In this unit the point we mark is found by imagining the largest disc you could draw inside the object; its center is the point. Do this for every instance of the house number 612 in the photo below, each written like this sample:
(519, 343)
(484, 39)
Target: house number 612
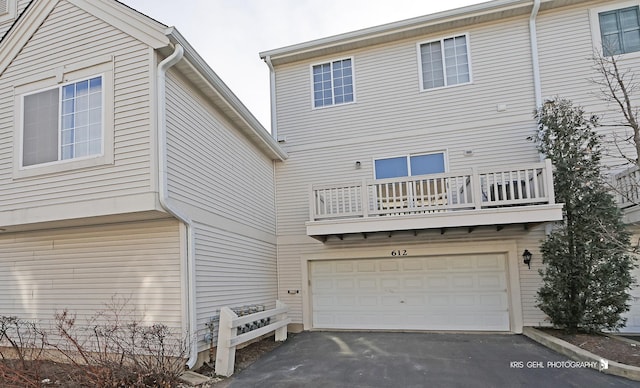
(399, 252)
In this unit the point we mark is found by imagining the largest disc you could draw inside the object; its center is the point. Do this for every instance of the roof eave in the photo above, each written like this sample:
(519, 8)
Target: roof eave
(456, 18)
(251, 126)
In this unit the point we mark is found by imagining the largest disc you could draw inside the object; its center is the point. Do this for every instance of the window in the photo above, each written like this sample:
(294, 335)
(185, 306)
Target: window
(444, 62)
(409, 165)
(332, 83)
(620, 30)
(63, 123)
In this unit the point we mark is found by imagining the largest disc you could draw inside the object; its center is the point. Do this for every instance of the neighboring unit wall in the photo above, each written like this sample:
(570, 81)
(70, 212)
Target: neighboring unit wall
(392, 117)
(10, 11)
(71, 37)
(226, 185)
(82, 269)
(567, 40)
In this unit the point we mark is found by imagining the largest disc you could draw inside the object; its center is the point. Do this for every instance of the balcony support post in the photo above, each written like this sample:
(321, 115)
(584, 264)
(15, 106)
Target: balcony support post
(364, 198)
(312, 203)
(548, 184)
(476, 190)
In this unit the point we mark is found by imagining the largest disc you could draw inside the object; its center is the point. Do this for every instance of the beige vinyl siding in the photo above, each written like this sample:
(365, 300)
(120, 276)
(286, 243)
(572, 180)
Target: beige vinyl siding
(212, 166)
(392, 117)
(67, 37)
(81, 269)
(7, 20)
(226, 185)
(232, 270)
(566, 44)
(388, 96)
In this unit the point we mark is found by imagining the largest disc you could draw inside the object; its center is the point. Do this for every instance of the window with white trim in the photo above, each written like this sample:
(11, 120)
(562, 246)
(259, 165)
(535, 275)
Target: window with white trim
(444, 62)
(333, 83)
(409, 165)
(64, 122)
(620, 30)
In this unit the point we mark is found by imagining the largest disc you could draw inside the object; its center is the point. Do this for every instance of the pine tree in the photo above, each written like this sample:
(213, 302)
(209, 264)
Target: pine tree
(587, 272)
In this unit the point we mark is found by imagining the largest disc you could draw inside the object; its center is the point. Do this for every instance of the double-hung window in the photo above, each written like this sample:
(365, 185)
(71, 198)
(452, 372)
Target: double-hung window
(333, 83)
(410, 165)
(63, 123)
(620, 30)
(444, 62)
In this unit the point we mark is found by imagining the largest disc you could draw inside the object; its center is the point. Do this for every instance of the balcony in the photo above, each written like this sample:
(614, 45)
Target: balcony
(477, 197)
(626, 187)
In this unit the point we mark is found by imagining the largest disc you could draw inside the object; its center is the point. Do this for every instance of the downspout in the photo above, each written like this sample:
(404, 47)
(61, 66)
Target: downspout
(272, 88)
(163, 195)
(534, 53)
(535, 62)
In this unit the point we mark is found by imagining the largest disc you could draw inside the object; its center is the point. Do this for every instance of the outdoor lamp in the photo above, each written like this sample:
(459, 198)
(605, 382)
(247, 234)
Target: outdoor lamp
(527, 257)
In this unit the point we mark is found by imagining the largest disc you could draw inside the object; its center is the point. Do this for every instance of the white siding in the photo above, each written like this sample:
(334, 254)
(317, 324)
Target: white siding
(80, 269)
(69, 36)
(226, 184)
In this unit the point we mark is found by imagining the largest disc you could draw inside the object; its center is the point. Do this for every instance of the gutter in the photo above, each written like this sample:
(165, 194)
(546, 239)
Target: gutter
(163, 194)
(272, 89)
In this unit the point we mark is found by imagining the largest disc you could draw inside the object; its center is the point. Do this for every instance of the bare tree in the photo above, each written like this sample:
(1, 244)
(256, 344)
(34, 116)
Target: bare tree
(617, 86)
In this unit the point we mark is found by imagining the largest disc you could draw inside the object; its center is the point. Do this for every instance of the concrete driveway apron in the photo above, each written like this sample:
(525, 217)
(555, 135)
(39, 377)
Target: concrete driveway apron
(380, 359)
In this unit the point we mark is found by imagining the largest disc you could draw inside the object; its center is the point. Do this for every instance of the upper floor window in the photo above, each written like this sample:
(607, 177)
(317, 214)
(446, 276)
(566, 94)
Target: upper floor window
(62, 123)
(444, 62)
(620, 30)
(410, 165)
(333, 83)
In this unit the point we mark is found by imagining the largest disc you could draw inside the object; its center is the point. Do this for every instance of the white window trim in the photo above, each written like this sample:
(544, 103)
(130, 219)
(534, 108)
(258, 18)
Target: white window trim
(444, 152)
(353, 76)
(596, 36)
(102, 66)
(441, 40)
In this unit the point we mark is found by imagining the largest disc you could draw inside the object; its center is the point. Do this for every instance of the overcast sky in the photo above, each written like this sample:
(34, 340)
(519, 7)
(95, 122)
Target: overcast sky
(229, 34)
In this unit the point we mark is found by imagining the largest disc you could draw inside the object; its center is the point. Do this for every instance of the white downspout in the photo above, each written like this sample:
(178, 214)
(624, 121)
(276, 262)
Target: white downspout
(272, 88)
(163, 195)
(534, 53)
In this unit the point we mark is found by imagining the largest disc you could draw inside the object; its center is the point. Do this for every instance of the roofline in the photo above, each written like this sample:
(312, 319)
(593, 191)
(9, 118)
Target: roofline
(199, 64)
(401, 28)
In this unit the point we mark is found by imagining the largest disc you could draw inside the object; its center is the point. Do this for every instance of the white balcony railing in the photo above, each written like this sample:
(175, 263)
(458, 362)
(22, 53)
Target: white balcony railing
(627, 187)
(475, 189)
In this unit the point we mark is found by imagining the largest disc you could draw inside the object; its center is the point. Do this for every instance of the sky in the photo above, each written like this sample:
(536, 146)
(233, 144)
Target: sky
(229, 34)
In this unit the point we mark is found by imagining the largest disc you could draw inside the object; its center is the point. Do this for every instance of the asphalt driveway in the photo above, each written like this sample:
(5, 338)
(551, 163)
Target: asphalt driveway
(372, 359)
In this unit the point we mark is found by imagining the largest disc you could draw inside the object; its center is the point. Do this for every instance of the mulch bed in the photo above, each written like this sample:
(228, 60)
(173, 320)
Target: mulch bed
(610, 348)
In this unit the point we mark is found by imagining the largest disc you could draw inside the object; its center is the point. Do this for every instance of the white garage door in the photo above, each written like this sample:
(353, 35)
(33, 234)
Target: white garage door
(633, 315)
(463, 292)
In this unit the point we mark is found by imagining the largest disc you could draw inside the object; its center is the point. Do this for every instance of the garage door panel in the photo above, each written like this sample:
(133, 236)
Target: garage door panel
(431, 293)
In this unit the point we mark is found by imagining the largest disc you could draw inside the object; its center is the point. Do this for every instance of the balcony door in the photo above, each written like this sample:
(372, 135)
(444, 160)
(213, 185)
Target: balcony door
(395, 193)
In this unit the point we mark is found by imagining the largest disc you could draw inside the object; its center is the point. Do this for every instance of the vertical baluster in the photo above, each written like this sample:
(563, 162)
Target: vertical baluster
(519, 187)
(536, 185)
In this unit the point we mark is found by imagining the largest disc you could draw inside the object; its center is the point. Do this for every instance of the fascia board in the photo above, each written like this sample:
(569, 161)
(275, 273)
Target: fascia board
(222, 90)
(127, 20)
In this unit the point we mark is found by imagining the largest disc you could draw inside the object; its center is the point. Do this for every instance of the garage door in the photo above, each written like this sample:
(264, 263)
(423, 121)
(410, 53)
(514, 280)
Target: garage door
(463, 292)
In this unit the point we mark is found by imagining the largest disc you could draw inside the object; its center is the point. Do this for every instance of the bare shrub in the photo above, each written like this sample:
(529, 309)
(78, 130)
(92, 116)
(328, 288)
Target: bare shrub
(112, 349)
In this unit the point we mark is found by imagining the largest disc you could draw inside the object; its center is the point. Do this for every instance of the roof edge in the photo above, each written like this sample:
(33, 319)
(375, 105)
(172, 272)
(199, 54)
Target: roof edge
(192, 56)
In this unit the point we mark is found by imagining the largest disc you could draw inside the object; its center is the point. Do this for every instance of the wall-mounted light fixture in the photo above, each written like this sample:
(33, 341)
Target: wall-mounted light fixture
(526, 257)
(358, 165)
